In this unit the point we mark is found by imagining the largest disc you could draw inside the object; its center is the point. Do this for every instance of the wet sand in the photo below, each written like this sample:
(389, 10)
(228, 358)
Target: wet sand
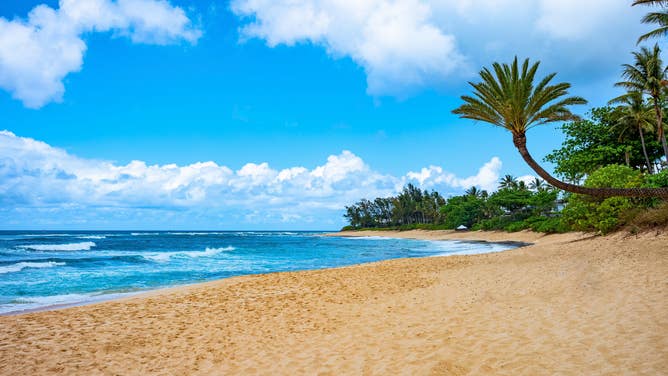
(568, 304)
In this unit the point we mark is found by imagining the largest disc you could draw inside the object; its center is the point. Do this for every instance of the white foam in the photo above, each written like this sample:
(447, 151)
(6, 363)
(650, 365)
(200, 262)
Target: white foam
(40, 302)
(195, 233)
(371, 237)
(461, 248)
(23, 265)
(166, 256)
(83, 246)
(50, 300)
(92, 237)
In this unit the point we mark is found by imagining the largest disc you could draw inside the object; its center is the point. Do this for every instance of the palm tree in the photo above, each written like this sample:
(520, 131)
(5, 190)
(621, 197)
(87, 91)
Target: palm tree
(537, 184)
(473, 191)
(509, 99)
(648, 75)
(636, 116)
(659, 18)
(508, 182)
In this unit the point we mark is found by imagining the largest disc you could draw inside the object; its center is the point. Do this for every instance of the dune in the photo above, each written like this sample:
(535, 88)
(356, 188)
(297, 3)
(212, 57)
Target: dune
(568, 304)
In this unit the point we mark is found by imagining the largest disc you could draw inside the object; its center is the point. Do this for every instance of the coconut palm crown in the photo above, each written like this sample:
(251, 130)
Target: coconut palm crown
(508, 97)
(648, 75)
(636, 117)
(658, 18)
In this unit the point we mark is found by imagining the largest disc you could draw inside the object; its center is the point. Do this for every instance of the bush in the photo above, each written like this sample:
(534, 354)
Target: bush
(586, 213)
(551, 226)
(517, 226)
(657, 180)
(614, 176)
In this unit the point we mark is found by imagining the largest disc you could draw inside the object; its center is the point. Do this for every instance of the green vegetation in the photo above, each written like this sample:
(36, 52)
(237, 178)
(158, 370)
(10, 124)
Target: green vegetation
(658, 18)
(610, 163)
(603, 139)
(410, 208)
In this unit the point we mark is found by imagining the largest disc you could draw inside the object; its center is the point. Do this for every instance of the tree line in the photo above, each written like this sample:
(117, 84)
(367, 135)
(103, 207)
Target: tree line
(411, 206)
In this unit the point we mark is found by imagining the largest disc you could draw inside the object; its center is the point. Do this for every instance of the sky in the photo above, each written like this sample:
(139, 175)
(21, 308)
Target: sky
(270, 114)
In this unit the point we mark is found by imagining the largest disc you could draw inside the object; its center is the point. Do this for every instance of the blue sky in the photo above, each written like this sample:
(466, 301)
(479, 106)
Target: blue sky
(363, 90)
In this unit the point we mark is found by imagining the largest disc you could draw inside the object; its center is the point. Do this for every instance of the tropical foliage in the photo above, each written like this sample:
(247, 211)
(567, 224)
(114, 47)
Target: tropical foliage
(659, 19)
(613, 163)
(410, 207)
(510, 99)
(602, 139)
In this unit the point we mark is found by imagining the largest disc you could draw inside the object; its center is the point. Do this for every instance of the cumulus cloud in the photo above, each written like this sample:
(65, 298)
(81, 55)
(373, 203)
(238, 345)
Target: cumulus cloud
(36, 175)
(37, 53)
(396, 42)
(405, 45)
(486, 178)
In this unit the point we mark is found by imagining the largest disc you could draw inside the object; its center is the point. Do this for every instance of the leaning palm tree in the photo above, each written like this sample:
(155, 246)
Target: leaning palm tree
(658, 18)
(651, 2)
(648, 75)
(635, 117)
(508, 98)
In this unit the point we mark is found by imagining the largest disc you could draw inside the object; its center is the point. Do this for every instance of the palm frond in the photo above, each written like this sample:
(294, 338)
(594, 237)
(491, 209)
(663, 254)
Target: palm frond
(508, 97)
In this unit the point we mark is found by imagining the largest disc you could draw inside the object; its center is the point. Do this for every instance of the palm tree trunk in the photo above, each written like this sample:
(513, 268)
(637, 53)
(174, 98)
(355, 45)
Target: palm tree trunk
(520, 142)
(659, 124)
(644, 149)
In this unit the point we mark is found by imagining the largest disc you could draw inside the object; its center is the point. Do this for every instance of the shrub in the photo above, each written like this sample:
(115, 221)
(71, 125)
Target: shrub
(657, 180)
(586, 213)
(517, 226)
(551, 226)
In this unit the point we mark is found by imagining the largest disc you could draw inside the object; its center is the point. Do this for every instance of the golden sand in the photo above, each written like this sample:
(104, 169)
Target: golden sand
(567, 305)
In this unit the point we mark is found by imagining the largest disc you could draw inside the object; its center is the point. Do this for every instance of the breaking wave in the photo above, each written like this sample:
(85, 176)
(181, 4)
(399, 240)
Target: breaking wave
(83, 246)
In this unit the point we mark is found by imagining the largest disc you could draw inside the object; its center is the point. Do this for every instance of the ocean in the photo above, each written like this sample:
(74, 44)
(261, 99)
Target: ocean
(40, 269)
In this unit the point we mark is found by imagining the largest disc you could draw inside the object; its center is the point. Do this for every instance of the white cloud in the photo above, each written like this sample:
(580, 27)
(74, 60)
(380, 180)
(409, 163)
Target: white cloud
(576, 19)
(36, 175)
(38, 52)
(486, 178)
(404, 45)
(396, 42)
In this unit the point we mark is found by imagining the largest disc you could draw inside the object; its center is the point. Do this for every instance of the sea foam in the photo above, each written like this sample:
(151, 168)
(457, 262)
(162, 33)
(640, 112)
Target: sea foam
(83, 246)
(166, 256)
(23, 265)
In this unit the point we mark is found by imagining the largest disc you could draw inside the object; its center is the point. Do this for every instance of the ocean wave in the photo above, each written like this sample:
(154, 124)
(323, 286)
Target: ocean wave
(166, 256)
(83, 246)
(92, 237)
(196, 233)
(144, 233)
(27, 303)
(461, 248)
(371, 237)
(23, 265)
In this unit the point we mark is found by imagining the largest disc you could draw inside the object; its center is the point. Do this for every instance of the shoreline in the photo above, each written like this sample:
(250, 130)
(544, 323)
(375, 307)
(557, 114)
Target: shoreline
(101, 297)
(568, 303)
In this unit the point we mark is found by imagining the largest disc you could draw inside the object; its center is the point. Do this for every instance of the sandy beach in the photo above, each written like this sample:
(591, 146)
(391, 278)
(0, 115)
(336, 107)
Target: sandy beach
(569, 304)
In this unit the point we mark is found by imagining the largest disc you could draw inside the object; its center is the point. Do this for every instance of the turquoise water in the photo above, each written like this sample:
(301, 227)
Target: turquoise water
(42, 269)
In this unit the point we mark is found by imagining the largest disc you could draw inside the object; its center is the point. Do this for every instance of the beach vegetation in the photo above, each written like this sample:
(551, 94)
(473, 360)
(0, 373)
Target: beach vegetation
(412, 206)
(508, 96)
(610, 165)
(647, 75)
(658, 18)
(600, 140)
